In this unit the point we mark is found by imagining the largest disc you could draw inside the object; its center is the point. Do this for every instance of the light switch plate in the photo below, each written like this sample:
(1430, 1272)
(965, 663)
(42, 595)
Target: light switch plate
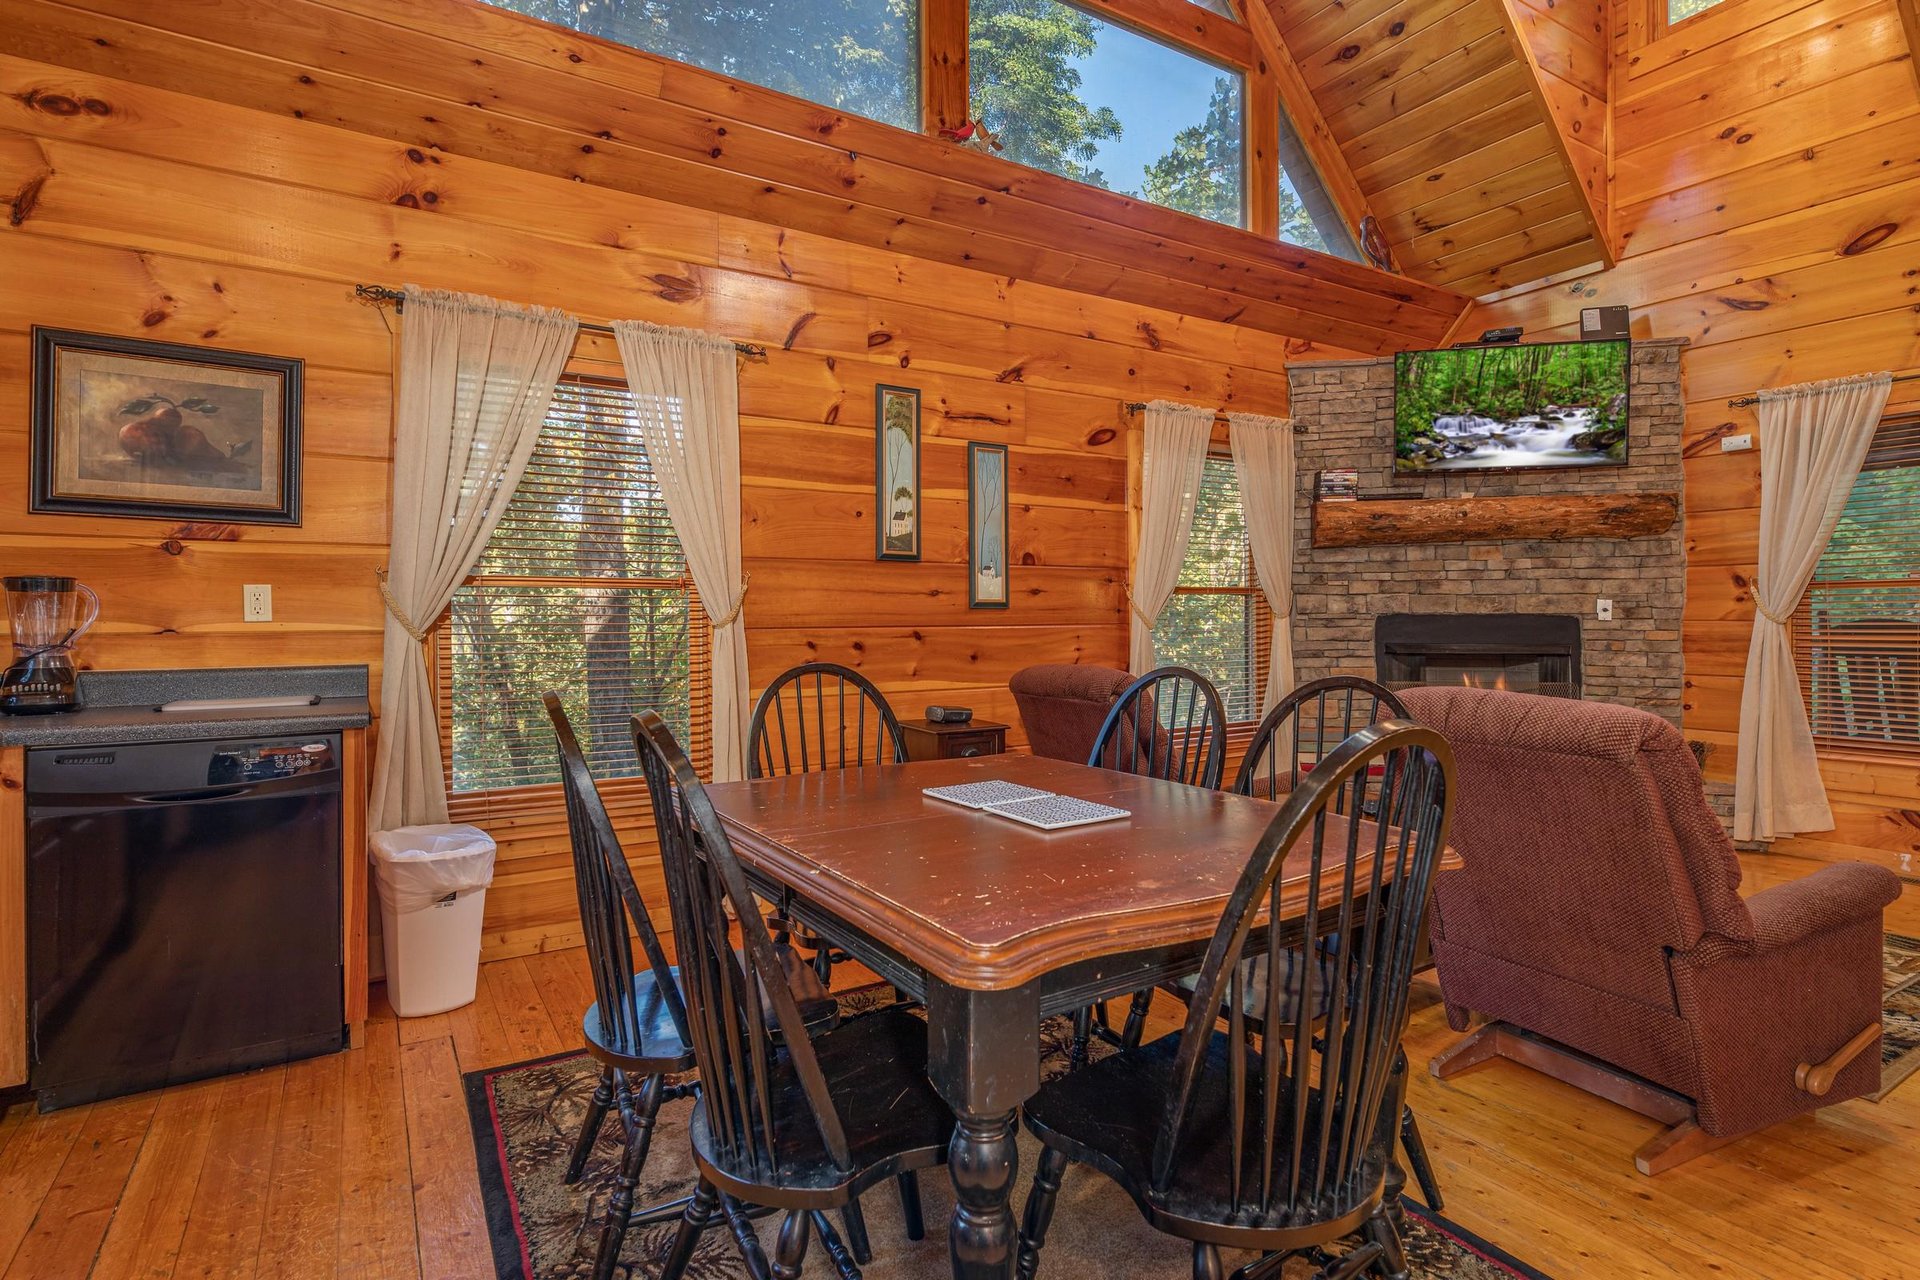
(1603, 609)
(256, 602)
(1736, 444)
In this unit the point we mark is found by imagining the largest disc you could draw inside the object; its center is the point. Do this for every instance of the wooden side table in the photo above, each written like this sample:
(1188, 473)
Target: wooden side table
(929, 741)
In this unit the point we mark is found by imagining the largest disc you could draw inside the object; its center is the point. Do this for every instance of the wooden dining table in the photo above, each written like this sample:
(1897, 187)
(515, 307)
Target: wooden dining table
(997, 926)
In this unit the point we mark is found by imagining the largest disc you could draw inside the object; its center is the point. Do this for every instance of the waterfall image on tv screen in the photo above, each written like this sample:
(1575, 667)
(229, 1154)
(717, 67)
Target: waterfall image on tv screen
(1560, 404)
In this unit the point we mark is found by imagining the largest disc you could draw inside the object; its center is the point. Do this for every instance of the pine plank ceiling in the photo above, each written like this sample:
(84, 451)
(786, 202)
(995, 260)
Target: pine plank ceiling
(1476, 129)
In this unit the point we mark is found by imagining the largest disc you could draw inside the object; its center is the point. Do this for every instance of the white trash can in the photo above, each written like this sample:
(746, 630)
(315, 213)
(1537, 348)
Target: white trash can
(432, 882)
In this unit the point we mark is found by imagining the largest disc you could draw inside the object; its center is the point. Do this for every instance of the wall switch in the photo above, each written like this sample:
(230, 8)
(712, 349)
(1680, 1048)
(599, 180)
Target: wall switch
(256, 602)
(1736, 444)
(1603, 609)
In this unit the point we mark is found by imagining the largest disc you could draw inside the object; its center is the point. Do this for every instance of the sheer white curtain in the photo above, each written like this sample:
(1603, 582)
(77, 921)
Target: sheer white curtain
(476, 377)
(1263, 463)
(1813, 438)
(686, 390)
(1172, 462)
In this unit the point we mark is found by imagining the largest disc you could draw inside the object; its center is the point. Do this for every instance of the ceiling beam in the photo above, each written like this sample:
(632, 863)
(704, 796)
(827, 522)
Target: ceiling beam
(1910, 23)
(1184, 24)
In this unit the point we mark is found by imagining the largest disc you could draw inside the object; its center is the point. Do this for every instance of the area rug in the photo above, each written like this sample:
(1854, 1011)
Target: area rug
(1899, 1013)
(524, 1118)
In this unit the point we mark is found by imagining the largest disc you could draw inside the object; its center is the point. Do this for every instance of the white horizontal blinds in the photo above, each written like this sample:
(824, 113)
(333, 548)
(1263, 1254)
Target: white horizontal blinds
(583, 589)
(1856, 634)
(1218, 622)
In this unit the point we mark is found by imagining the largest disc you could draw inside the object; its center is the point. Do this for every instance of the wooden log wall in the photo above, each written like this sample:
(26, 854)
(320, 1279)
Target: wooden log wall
(1767, 196)
(133, 209)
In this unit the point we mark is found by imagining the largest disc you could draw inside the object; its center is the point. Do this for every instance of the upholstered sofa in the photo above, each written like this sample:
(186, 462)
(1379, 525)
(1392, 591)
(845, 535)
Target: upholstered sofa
(1598, 921)
(1063, 705)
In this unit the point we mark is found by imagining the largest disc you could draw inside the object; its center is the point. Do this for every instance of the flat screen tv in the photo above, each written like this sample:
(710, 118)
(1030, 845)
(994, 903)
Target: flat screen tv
(1501, 408)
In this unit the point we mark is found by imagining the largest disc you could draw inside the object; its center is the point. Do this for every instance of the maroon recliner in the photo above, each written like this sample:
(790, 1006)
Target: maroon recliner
(1063, 705)
(1598, 921)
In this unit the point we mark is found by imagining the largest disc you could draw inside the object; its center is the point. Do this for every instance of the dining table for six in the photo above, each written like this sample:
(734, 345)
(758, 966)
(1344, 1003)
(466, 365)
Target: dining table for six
(996, 926)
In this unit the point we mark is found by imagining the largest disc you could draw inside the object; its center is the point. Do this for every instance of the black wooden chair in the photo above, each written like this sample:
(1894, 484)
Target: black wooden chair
(1301, 729)
(1171, 724)
(1281, 1148)
(1305, 725)
(637, 1027)
(789, 1122)
(815, 717)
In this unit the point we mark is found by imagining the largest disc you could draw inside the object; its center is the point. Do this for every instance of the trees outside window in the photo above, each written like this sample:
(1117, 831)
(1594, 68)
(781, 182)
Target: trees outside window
(582, 589)
(1218, 622)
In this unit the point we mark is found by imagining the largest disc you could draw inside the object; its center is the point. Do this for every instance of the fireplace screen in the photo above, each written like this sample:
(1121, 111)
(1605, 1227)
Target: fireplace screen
(1519, 652)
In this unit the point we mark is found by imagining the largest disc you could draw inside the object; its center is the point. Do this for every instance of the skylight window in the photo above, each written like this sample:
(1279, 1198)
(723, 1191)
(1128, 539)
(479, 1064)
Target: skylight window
(1679, 11)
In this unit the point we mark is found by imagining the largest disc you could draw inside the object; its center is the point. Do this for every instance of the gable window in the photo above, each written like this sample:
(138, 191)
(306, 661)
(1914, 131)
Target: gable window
(1679, 11)
(1856, 635)
(583, 589)
(1218, 622)
(1075, 95)
(858, 56)
(1308, 215)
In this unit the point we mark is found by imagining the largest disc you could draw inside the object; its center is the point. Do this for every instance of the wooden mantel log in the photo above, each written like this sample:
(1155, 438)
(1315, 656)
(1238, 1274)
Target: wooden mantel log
(1555, 518)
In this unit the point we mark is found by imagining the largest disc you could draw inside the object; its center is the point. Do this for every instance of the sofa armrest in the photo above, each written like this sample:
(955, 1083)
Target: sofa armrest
(1830, 898)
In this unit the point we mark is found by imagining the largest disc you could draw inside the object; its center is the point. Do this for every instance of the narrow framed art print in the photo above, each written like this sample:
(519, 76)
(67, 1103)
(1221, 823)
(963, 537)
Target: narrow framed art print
(896, 417)
(987, 551)
(126, 427)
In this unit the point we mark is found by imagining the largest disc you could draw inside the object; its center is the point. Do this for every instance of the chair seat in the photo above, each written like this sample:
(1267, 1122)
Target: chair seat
(659, 1048)
(1109, 1114)
(875, 1068)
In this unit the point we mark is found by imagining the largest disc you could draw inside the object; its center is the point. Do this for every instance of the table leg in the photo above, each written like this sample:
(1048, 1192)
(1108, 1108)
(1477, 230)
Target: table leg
(984, 1058)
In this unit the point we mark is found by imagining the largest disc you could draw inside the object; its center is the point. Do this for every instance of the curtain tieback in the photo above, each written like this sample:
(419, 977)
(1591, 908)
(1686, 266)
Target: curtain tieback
(1769, 614)
(739, 602)
(399, 614)
(1134, 605)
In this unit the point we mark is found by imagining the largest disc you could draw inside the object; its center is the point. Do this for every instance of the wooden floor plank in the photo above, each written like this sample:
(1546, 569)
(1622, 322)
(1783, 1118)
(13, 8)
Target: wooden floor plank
(446, 1186)
(301, 1239)
(28, 1168)
(377, 1230)
(74, 1216)
(144, 1240)
(224, 1224)
(527, 1031)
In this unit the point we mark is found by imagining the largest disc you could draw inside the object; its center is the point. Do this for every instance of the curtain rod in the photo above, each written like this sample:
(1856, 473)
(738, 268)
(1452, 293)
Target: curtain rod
(1745, 401)
(380, 293)
(1135, 406)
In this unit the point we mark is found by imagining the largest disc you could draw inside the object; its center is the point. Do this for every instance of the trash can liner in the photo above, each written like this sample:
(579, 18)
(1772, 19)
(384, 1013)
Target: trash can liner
(415, 867)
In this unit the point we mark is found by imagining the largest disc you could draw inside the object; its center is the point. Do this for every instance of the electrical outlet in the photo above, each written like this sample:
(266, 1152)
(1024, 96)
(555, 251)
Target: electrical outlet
(256, 602)
(1736, 444)
(1603, 609)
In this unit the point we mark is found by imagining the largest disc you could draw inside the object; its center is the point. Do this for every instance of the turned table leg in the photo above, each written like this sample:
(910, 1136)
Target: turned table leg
(984, 1058)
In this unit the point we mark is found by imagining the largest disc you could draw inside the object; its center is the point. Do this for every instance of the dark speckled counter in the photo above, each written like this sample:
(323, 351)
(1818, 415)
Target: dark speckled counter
(120, 706)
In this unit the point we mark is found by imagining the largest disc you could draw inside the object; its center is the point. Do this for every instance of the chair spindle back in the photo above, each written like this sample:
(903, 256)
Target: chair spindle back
(611, 909)
(1308, 723)
(818, 716)
(1365, 887)
(728, 991)
(1170, 724)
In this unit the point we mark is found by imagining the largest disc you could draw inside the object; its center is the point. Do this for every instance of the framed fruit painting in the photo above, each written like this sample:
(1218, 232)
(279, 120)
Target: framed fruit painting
(125, 427)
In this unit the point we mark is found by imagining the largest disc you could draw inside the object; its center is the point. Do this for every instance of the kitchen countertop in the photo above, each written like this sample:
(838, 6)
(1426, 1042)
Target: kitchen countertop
(119, 706)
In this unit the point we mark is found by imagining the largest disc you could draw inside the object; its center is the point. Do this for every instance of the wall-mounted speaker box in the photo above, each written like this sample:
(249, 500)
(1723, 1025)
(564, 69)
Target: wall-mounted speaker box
(1601, 324)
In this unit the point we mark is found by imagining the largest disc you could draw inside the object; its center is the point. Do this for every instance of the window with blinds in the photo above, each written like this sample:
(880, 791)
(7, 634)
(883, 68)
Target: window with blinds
(1856, 635)
(583, 589)
(1218, 622)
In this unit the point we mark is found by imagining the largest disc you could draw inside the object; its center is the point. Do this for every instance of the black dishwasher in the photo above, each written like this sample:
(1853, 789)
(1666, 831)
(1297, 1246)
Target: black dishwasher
(183, 911)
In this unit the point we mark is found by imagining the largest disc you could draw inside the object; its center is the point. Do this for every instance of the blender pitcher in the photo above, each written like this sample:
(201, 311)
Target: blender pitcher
(48, 616)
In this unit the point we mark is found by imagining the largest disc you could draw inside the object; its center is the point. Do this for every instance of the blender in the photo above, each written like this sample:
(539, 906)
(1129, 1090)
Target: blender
(48, 616)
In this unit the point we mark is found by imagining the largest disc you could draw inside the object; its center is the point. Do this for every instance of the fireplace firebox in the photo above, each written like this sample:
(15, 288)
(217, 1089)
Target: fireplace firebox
(1520, 652)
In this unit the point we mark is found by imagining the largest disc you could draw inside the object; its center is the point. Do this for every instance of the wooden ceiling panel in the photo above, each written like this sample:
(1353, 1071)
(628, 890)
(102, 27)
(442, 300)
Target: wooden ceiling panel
(1476, 130)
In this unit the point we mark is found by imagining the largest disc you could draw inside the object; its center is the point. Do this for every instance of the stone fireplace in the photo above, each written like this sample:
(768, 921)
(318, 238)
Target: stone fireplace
(1521, 652)
(1466, 611)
